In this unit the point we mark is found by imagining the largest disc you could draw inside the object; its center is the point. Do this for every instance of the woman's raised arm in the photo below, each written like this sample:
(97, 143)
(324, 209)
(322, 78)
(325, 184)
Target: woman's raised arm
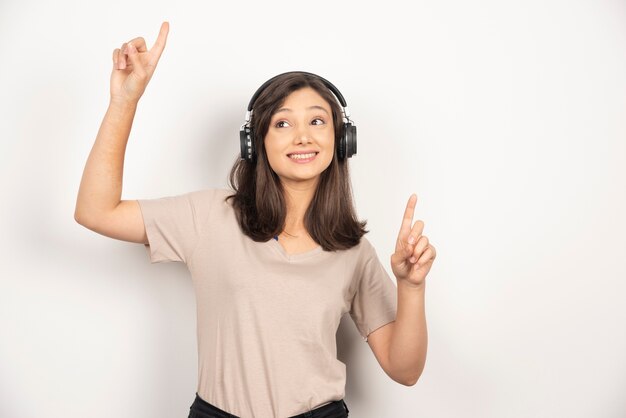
(99, 206)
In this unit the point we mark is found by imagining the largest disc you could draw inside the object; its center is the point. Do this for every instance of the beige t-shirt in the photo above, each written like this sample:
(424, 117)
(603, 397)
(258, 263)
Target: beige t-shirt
(266, 320)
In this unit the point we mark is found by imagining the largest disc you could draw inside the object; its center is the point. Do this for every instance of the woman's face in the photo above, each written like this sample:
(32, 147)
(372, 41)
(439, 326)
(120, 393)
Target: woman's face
(302, 125)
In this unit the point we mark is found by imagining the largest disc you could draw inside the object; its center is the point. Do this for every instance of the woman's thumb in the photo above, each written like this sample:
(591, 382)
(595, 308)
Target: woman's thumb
(133, 56)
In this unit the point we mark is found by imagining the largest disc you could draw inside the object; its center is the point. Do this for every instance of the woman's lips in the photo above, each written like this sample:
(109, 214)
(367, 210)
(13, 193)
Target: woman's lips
(302, 160)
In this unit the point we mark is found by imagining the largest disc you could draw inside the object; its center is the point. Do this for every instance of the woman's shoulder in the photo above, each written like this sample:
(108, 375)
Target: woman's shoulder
(213, 193)
(361, 251)
(207, 199)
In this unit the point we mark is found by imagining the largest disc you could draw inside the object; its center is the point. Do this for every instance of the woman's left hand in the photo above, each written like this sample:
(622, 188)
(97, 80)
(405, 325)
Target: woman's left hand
(414, 255)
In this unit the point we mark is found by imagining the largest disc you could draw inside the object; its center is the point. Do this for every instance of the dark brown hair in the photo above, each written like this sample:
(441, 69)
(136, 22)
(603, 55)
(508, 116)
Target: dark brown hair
(259, 202)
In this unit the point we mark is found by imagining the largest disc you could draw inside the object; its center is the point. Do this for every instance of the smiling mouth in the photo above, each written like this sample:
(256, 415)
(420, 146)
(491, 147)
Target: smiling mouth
(302, 156)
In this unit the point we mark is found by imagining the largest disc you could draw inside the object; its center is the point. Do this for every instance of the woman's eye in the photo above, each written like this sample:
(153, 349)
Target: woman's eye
(278, 124)
(322, 120)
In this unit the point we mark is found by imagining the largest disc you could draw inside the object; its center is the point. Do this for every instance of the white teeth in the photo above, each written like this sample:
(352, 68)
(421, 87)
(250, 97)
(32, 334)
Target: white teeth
(301, 156)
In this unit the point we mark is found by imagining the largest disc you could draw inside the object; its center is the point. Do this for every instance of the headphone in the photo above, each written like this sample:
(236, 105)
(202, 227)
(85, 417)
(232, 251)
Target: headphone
(346, 145)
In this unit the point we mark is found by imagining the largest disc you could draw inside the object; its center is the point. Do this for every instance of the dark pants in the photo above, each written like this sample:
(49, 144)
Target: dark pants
(202, 409)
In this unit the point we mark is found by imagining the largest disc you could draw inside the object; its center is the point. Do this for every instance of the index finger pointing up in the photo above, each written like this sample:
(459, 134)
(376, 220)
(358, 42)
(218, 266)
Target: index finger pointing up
(159, 44)
(405, 229)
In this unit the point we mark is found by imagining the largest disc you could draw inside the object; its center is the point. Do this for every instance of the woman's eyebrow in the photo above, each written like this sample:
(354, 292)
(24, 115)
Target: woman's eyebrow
(286, 109)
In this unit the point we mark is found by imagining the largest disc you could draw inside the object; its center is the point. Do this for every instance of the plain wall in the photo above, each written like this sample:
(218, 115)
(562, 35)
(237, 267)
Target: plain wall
(506, 118)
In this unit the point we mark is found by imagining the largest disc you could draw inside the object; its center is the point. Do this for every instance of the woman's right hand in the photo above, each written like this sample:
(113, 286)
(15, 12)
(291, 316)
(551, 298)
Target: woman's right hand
(133, 66)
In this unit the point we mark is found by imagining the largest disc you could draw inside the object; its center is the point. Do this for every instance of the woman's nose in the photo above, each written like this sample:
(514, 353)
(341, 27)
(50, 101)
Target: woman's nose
(303, 134)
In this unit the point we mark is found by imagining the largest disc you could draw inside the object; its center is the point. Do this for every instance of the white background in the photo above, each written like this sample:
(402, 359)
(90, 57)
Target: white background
(506, 118)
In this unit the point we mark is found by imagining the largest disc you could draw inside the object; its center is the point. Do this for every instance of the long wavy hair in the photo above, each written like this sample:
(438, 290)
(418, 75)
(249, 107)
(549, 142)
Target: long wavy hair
(259, 200)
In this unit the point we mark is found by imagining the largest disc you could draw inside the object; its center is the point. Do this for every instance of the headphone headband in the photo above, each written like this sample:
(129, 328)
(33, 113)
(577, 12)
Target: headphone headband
(327, 83)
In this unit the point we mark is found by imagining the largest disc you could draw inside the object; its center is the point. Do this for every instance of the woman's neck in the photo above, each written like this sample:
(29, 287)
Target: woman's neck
(297, 198)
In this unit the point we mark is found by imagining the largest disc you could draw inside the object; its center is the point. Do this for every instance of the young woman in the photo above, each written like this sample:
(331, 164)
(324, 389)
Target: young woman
(277, 260)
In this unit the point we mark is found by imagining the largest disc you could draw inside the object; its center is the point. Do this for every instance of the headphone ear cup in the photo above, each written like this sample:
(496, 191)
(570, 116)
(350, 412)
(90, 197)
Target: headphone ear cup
(350, 140)
(341, 143)
(246, 143)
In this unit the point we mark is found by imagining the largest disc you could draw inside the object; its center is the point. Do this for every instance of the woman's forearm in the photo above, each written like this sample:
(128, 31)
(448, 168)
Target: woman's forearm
(101, 185)
(409, 340)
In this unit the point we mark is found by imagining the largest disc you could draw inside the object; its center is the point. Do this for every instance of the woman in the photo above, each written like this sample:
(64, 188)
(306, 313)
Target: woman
(276, 261)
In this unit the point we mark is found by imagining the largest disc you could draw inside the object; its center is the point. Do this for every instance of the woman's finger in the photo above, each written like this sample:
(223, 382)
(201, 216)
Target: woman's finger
(428, 255)
(133, 57)
(116, 53)
(121, 62)
(140, 44)
(159, 44)
(405, 227)
(416, 232)
(420, 247)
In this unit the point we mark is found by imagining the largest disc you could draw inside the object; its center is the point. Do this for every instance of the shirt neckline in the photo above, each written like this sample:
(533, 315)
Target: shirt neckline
(293, 257)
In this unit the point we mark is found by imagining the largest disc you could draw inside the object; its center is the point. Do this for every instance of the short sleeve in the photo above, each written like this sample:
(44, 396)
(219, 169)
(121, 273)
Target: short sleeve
(375, 300)
(173, 224)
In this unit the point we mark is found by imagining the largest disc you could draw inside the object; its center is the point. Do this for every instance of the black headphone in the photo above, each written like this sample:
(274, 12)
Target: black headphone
(346, 145)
